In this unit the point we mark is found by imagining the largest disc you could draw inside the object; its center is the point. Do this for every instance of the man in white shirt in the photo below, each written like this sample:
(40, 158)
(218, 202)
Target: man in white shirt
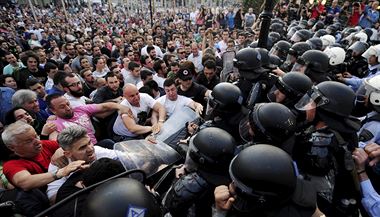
(132, 126)
(74, 91)
(13, 64)
(149, 42)
(174, 102)
(51, 69)
(76, 145)
(222, 45)
(196, 57)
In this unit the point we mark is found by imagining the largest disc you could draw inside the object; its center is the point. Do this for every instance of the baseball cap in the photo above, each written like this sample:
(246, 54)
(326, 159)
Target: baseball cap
(184, 74)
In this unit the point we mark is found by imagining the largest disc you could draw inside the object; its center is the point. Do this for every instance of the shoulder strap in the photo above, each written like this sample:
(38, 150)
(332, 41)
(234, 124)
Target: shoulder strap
(372, 118)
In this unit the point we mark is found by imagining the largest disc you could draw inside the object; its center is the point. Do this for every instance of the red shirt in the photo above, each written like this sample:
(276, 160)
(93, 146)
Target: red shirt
(314, 13)
(354, 19)
(12, 167)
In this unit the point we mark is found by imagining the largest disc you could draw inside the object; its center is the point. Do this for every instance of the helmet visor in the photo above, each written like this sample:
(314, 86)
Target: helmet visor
(298, 67)
(245, 130)
(311, 100)
(190, 164)
(211, 105)
(274, 51)
(295, 38)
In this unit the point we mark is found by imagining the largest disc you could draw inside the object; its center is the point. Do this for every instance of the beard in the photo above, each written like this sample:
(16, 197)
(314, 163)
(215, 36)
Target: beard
(171, 49)
(78, 93)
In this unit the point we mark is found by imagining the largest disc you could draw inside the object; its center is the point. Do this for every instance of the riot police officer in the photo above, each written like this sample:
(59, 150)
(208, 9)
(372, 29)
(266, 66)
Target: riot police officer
(314, 64)
(323, 152)
(122, 197)
(206, 166)
(264, 184)
(357, 65)
(270, 123)
(369, 133)
(225, 109)
(295, 51)
(289, 89)
(281, 49)
(254, 79)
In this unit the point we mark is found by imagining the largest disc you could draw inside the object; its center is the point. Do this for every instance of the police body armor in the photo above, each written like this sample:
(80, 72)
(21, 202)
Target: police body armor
(327, 162)
(187, 189)
(357, 66)
(256, 91)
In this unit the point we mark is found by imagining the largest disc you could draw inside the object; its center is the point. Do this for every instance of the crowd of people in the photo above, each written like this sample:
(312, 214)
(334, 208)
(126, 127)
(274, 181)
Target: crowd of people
(290, 128)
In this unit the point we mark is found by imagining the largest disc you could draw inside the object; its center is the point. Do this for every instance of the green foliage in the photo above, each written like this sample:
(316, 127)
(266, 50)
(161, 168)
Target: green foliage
(255, 4)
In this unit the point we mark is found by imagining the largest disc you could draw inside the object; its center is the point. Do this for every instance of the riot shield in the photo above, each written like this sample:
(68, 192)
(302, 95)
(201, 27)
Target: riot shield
(144, 155)
(228, 65)
(174, 128)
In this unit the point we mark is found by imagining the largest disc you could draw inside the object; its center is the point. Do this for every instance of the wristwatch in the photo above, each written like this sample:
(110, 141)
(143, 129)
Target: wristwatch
(55, 174)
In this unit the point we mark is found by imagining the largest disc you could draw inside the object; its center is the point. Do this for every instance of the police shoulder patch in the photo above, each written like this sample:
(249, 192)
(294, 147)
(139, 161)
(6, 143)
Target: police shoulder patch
(135, 211)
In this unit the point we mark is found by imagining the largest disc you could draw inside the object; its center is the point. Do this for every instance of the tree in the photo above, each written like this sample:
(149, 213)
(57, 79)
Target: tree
(255, 4)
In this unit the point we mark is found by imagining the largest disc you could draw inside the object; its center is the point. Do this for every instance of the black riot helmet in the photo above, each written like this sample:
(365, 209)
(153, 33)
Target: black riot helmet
(295, 51)
(293, 85)
(347, 31)
(292, 31)
(212, 150)
(270, 122)
(334, 103)
(248, 62)
(318, 25)
(122, 197)
(281, 49)
(225, 99)
(317, 65)
(320, 33)
(264, 177)
(274, 60)
(330, 96)
(275, 37)
(315, 43)
(299, 49)
(277, 27)
(301, 35)
(357, 49)
(331, 29)
(265, 59)
(311, 22)
(254, 44)
(303, 24)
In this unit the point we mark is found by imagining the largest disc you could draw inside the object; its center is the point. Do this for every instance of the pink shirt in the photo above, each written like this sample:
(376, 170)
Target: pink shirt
(82, 117)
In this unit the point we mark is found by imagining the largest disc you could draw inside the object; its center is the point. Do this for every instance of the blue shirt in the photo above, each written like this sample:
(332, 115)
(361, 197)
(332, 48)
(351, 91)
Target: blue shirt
(371, 199)
(6, 94)
(355, 82)
(368, 18)
(230, 20)
(333, 11)
(374, 128)
(55, 90)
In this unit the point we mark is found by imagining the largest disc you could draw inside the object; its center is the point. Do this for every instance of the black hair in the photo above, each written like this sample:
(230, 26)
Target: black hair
(169, 82)
(102, 169)
(51, 97)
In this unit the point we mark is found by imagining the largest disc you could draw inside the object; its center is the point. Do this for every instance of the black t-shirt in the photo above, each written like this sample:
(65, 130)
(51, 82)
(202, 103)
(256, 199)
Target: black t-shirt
(87, 89)
(104, 94)
(196, 92)
(75, 205)
(201, 79)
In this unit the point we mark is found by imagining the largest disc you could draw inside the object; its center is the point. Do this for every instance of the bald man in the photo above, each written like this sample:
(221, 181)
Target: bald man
(133, 126)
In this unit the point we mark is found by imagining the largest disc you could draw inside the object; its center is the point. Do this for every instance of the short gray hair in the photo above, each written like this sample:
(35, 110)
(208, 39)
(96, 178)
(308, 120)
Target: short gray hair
(23, 96)
(70, 135)
(12, 131)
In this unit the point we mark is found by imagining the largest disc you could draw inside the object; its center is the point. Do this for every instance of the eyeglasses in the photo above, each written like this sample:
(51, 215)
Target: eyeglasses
(76, 84)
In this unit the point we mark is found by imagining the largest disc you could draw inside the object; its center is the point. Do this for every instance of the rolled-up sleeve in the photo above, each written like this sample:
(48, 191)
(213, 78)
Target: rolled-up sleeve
(371, 199)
